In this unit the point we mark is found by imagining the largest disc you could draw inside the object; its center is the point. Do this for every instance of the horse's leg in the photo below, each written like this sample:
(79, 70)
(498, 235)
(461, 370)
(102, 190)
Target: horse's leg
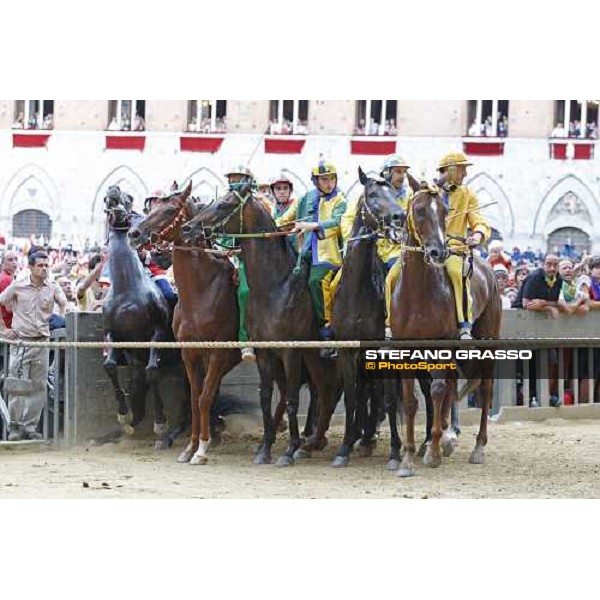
(191, 361)
(486, 392)
(311, 417)
(449, 437)
(328, 397)
(138, 385)
(280, 409)
(425, 385)
(154, 354)
(439, 389)
(374, 396)
(263, 361)
(409, 408)
(391, 407)
(217, 363)
(292, 363)
(110, 366)
(347, 366)
(185, 415)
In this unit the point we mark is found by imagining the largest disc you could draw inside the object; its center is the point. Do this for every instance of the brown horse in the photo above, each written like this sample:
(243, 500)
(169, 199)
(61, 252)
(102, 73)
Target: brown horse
(207, 311)
(423, 307)
(279, 308)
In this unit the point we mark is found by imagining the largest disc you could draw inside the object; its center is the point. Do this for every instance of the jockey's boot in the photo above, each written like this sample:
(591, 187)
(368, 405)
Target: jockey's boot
(248, 355)
(326, 334)
(464, 333)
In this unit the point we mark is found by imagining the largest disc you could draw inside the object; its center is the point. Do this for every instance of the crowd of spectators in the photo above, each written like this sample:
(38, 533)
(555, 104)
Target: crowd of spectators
(486, 128)
(286, 127)
(205, 125)
(388, 127)
(574, 130)
(139, 124)
(36, 121)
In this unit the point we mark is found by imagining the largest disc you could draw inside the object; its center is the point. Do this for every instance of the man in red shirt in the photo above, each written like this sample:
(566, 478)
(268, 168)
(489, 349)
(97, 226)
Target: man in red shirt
(7, 274)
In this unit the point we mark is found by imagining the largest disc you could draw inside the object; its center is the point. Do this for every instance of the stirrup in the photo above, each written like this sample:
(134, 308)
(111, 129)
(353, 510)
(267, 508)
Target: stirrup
(465, 333)
(248, 355)
(388, 333)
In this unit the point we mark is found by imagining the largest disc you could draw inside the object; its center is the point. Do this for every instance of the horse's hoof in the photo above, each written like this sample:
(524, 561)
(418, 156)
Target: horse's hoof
(185, 456)
(430, 460)
(423, 449)
(477, 457)
(301, 453)
(161, 445)
(449, 443)
(340, 461)
(393, 464)
(262, 459)
(284, 461)
(406, 471)
(199, 459)
(127, 429)
(160, 428)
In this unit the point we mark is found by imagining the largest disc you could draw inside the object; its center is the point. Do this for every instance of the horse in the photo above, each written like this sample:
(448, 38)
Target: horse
(277, 287)
(207, 310)
(134, 311)
(359, 313)
(415, 315)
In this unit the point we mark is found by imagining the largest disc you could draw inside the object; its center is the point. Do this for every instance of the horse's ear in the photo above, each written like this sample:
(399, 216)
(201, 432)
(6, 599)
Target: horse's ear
(424, 185)
(362, 177)
(188, 189)
(174, 186)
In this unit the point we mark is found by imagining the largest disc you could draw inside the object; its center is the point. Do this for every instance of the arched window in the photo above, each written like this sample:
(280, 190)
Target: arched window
(31, 221)
(568, 241)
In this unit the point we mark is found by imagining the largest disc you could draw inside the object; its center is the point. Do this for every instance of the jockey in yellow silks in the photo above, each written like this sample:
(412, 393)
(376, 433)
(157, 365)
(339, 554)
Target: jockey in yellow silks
(463, 213)
(394, 170)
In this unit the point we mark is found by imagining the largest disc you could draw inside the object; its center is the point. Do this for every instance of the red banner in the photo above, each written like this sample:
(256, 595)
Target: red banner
(200, 144)
(284, 146)
(372, 147)
(35, 140)
(483, 148)
(125, 142)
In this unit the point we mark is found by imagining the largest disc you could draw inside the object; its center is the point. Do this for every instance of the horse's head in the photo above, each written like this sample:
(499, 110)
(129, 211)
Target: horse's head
(379, 208)
(164, 215)
(225, 215)
(426, 223)
(118, 206)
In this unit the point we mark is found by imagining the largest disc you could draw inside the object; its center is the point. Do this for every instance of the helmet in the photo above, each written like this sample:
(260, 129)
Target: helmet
(394, 160)
(281, 179)
(240, 170)
(454, 159)
(323, 168)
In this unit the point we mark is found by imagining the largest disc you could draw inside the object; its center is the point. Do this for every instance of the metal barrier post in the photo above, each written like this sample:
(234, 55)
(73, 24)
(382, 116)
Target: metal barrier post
(575, 376)
(561, 375)
(542, 377)
(590, 362)
(526, 391)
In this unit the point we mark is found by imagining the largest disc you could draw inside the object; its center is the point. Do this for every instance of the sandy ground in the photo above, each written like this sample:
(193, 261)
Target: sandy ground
(551, 459)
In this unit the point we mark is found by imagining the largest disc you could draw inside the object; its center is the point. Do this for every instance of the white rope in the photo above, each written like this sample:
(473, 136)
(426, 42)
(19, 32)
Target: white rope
(533, 342)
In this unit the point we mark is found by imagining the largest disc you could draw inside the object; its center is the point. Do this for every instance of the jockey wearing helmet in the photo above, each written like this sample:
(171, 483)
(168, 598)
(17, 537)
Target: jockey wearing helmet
(394, 171)
(462, 202)
(282, 189)
(318, 214)
(236, 178)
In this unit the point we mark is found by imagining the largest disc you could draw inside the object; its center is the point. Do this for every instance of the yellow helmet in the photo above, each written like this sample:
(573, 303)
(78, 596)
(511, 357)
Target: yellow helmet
(324, 168)
(454, 159)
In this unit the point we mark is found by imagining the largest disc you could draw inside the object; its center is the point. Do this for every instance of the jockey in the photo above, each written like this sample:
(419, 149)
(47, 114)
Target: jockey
(236, 177)
(317, 217)
(462, 202)
(282, 189)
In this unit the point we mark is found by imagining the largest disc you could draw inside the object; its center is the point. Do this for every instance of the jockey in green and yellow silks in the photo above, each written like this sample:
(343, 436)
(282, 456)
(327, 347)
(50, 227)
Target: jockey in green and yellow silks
(317, 217)
(463, 213)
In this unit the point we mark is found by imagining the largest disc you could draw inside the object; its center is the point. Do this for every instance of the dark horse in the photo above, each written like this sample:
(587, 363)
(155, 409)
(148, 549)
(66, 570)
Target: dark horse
(279, 308)
(207, 310)
(134, 311)
(423, 308)
(359, 313)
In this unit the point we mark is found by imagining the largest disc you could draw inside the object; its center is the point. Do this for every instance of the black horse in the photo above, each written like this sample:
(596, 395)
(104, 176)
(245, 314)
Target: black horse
(134, 311)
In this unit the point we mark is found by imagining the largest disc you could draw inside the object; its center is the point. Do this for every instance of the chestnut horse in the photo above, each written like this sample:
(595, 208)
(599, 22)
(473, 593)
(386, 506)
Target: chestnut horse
(423, 307)
(279, 308)
(207, 311)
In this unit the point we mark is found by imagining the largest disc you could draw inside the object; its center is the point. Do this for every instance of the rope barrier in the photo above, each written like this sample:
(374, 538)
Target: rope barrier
(534, 343)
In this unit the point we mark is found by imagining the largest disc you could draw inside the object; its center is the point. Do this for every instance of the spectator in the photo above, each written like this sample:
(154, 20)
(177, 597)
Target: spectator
(501, 273)
(8, 267)
(360, 130)
(572, 298)
(138, 123)
(393, 129)
(489, 132)
(572, 129)
(373, 127)
(113, 125)
(32, 301)
(592, 131)
(558, 131)
(475, 129)
(20, 122)
(594, 301)
(541, 289)
(498, 256)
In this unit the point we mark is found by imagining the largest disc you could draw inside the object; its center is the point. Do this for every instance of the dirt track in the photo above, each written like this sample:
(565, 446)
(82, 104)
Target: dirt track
(551, 459)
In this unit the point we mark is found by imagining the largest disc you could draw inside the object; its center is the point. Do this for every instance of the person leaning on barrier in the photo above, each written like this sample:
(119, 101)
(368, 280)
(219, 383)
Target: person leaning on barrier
(32, 301)
(541, 289)
(8, 267)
